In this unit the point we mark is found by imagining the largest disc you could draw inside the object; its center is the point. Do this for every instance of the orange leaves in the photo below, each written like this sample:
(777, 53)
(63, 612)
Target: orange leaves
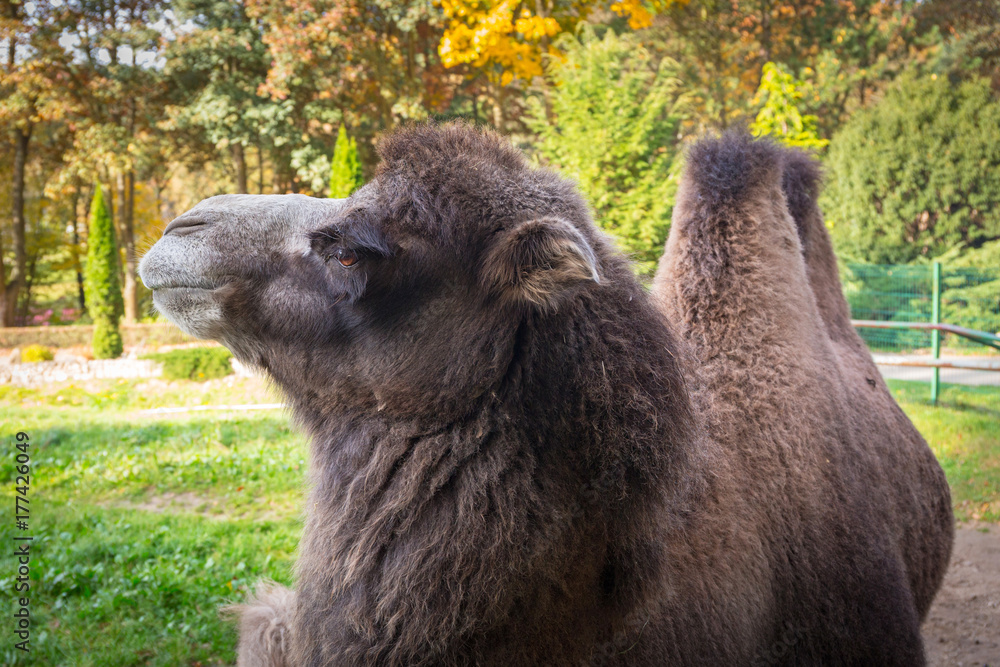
(506, 36)
(638, 16)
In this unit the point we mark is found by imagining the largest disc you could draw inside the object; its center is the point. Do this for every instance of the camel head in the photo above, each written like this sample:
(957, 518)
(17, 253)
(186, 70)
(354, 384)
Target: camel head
(406, 296)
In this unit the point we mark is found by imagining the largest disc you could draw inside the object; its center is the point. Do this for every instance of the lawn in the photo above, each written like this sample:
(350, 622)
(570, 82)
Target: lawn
(964, 432)
(145, 524)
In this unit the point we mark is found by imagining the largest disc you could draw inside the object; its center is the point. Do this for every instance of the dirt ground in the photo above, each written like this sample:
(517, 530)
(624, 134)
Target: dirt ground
(963, 627)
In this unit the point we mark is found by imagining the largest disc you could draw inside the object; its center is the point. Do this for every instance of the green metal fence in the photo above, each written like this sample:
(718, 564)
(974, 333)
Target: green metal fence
(903, 311)
(969, 298)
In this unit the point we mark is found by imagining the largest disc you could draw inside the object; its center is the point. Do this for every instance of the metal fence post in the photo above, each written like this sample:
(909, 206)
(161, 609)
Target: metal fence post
(936, 335)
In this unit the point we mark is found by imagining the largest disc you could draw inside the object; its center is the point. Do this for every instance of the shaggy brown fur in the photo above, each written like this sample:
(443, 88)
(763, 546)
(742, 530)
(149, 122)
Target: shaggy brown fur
(264, 631)
(926, 528)
(851, 507)
(506, 467)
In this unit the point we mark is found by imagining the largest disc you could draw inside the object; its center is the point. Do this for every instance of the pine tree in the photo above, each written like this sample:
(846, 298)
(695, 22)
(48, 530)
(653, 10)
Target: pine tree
(345, 171)
(104, 295)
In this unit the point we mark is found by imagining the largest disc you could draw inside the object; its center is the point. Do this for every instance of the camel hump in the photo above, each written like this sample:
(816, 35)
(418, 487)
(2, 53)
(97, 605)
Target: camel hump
(801, 180)
(731, 216)
(729, 171)
(733, 271)
(801, 183)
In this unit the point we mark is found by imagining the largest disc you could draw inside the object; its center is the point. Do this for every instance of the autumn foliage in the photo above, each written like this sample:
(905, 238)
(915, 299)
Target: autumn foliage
(170, 101)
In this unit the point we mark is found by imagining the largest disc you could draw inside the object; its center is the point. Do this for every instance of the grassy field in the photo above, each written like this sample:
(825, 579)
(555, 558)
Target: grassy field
(144, 525)
(964, 432)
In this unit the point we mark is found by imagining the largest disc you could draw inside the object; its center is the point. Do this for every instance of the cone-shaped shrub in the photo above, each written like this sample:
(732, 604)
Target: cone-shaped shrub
(104, 294)
(345, 172)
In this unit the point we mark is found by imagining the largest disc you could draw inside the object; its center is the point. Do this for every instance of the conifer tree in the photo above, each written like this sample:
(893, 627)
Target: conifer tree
(918, 173)
(345, 171)
(104, 295)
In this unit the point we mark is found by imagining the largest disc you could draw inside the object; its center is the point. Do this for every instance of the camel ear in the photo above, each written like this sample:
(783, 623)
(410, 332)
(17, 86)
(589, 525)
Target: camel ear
(537, 261)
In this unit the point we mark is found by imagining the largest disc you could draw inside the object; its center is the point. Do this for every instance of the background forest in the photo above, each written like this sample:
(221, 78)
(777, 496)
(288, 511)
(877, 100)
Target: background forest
(164, 103)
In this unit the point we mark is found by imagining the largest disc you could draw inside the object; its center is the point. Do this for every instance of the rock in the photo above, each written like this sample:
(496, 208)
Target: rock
(14, 357)
(78, 369)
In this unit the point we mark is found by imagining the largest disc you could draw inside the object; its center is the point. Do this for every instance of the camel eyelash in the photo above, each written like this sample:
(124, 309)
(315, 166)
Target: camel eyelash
(363, 242)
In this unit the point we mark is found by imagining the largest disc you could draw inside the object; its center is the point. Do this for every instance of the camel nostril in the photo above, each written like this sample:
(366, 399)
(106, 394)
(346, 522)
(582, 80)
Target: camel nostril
(181, 226)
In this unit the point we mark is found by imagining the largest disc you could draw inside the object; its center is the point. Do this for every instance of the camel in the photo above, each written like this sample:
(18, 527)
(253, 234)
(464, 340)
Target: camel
(519, 457)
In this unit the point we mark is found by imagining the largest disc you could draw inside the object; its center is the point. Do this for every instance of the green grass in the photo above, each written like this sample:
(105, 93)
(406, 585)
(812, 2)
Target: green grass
(964, 432)
(144, 525)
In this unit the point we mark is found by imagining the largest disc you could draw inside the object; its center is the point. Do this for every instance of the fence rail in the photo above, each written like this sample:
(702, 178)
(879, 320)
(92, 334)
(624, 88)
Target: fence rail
(968, 298)
(981, 337)
(906, 309)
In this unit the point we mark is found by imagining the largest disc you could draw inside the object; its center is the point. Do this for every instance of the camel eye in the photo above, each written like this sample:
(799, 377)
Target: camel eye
(346, 257)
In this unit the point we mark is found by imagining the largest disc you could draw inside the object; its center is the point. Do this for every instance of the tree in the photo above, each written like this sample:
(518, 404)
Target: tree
(779, 97)
(506, 42)
(345, 170)
(616, 115)
(104, 297)
(847, 50)
(222, 63)
(120, 95)
(29, 96)
(918, 173)
(375, 62)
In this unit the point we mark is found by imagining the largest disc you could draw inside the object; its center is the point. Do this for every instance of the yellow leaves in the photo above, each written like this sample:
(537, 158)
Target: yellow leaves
(486, 34)
(483, 33)
(638, 16)
(535, 28)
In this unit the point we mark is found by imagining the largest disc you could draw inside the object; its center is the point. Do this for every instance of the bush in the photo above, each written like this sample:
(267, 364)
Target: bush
(107, 342)
(613, 126)
(917, 174)
(35, 353)
(345, 168)
(779, 97)
(195, 363)
(103, 289)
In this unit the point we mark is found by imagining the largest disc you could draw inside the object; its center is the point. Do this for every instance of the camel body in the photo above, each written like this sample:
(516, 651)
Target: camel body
(519, 457)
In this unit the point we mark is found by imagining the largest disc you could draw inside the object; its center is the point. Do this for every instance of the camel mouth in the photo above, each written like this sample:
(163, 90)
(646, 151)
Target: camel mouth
(195, 310)
(164, 289)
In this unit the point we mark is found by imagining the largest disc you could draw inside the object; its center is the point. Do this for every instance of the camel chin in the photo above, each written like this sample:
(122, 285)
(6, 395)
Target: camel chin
(192, 309)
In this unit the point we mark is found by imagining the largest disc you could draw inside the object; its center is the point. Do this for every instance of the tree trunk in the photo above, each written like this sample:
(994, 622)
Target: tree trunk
(260, 168)
(12, 289)
(765, 36)
(131, 293)
(76, 250)
(498, 102)
(239, 161)
(25, 297)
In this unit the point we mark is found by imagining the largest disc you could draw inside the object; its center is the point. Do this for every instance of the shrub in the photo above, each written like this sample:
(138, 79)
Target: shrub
(195, 363)
(917, 174)
(103, 289)
(779, 97)
(612, 125)
(35, 353)
(107, 343)
(345, 169)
